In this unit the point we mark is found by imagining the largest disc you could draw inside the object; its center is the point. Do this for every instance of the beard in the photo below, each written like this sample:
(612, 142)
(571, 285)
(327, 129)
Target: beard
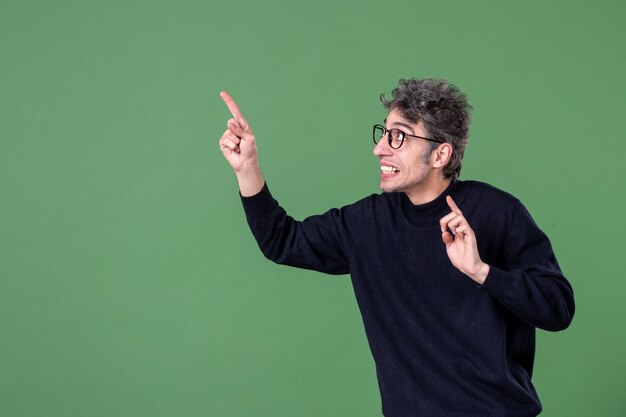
(416, 179)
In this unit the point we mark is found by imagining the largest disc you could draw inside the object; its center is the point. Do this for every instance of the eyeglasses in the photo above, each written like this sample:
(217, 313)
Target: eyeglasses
(395, 137)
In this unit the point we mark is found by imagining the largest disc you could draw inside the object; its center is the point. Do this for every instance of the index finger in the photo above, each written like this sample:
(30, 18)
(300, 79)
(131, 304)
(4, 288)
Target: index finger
(453, 205)
(232, 106)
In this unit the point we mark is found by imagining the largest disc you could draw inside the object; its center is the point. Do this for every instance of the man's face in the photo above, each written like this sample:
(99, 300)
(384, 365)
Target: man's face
(407, 169)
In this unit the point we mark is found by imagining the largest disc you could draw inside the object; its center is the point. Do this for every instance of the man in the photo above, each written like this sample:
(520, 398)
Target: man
(452, 277)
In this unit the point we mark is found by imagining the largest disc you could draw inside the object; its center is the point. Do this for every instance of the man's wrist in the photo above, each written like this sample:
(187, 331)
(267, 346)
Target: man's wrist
(250, 180)
(481, 274)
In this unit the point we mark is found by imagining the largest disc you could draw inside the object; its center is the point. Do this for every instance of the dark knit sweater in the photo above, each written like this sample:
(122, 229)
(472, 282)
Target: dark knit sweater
(443, 345)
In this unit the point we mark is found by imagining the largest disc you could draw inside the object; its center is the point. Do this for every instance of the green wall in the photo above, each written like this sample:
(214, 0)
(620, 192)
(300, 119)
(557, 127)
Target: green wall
(129, 283)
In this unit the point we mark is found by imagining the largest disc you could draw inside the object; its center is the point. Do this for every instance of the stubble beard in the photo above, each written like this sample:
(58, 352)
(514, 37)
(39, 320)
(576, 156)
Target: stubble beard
(413, 183)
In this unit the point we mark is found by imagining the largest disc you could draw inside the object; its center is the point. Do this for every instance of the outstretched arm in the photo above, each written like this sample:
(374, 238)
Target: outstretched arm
(313, 243)
(238, 145)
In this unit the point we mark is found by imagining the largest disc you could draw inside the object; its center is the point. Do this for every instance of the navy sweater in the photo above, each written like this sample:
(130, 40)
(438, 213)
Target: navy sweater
(443, 345)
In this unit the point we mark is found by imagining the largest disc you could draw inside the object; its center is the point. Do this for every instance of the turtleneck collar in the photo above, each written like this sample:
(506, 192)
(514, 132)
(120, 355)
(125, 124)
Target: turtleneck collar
(427, 213)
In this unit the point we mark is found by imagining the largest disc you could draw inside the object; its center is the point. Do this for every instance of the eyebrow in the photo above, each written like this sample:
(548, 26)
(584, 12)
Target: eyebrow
(403, 124)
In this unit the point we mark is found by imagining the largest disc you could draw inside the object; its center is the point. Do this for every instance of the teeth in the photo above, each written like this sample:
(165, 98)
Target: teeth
(388, 170)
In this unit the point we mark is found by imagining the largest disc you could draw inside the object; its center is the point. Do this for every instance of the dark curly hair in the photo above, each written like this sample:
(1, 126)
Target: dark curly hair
(442, 108)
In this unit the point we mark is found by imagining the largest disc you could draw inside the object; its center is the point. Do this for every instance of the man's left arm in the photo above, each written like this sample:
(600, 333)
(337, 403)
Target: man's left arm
(533, 288)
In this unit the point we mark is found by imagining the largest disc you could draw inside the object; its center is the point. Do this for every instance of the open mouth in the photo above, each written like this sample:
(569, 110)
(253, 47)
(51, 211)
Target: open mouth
(385, 169)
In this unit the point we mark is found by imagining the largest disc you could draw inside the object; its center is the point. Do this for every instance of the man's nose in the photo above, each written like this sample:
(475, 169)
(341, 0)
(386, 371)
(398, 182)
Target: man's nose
(382, 148)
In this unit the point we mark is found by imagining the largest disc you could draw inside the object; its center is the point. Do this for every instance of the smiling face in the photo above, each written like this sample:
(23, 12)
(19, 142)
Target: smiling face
(413, 168)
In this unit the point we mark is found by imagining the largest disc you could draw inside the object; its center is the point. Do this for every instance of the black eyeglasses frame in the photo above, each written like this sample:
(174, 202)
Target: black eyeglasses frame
(401, 136)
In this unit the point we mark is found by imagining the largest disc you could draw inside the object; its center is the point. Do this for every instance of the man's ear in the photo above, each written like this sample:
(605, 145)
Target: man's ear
(443, 153)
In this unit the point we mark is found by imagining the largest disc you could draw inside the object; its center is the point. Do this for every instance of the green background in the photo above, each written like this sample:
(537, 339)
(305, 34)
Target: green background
(129, 282)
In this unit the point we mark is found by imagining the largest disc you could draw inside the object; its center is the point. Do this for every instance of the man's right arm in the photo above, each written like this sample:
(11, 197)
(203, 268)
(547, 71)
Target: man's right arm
(318, 242)
(314, 243)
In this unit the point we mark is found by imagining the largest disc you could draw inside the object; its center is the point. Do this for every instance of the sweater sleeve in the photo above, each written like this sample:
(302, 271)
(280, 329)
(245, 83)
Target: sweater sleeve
(314, 243)
(530, 283)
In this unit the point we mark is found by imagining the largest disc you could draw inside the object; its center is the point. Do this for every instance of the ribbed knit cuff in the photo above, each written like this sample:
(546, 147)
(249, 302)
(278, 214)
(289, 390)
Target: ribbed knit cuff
(262, 202)
(498, 283)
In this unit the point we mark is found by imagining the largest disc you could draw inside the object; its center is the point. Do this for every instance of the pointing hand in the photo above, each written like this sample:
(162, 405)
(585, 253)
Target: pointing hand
(461, 244)
(238, 143)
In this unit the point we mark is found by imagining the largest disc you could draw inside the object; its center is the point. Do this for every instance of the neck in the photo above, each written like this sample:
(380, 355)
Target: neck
(429, 191)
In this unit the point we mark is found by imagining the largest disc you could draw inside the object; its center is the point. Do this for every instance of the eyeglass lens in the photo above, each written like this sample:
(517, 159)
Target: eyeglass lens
(396, 136)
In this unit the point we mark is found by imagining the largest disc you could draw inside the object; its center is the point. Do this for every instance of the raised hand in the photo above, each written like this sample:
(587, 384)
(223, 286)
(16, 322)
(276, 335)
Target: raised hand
(238, 145)
(461, 244)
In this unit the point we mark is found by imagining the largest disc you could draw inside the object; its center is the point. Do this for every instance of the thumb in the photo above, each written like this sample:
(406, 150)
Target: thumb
(238, 130)
(447, 238)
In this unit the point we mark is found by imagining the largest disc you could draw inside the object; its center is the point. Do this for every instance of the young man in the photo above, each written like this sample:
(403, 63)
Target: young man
(452, 277)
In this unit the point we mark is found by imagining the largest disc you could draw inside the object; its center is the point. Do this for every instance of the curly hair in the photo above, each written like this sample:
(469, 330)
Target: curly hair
(442, 108)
